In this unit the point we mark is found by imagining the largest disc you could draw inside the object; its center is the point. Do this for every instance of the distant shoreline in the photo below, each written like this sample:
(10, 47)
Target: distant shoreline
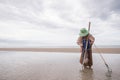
(67, 50)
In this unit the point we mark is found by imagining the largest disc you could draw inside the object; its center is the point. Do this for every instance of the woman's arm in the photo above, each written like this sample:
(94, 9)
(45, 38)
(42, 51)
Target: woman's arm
(79, 42)
(92, 39)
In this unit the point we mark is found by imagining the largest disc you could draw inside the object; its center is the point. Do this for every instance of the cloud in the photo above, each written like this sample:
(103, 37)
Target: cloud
(115, 6)
(58, 21)
(102, 9)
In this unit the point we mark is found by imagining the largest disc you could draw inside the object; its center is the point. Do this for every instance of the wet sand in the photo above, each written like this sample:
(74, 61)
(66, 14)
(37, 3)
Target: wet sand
(16, 65)
(66, 50)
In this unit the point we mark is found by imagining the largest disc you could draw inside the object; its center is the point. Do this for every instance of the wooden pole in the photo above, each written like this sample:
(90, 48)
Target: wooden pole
(86, 46)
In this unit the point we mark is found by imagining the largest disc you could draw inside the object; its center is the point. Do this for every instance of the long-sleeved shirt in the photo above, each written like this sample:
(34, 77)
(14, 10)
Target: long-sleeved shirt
(90, 37)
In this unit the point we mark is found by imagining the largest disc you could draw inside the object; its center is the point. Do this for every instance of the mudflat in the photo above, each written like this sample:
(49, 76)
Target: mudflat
(66, 50)
(17, 65)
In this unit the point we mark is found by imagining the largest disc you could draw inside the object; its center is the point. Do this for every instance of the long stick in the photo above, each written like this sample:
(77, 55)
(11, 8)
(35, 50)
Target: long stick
(89, 27)
(86, 46)
(108, 68)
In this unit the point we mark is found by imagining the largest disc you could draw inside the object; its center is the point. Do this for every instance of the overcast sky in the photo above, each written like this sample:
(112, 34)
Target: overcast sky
(34, 23)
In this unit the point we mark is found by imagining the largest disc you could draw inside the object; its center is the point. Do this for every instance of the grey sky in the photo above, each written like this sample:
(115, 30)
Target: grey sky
(57, 22)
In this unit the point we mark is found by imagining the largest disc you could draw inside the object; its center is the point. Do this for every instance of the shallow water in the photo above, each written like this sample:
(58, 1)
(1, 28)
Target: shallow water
(55, 66)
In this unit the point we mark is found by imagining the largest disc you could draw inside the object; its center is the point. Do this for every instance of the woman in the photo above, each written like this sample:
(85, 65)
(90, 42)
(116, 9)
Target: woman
(86, 49)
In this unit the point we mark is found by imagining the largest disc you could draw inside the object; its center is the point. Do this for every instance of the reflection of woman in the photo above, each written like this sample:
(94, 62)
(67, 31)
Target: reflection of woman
(84, 38)
(88, 75)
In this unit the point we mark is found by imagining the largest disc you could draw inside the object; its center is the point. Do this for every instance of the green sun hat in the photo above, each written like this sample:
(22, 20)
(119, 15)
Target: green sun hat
(83, 32)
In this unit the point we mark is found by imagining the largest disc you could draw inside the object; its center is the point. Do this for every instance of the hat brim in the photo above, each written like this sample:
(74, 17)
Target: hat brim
(83, 34)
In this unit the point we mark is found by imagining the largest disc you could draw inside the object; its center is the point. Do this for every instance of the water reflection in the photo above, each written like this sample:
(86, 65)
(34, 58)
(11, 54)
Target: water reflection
(87, 74)
(108, 78)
